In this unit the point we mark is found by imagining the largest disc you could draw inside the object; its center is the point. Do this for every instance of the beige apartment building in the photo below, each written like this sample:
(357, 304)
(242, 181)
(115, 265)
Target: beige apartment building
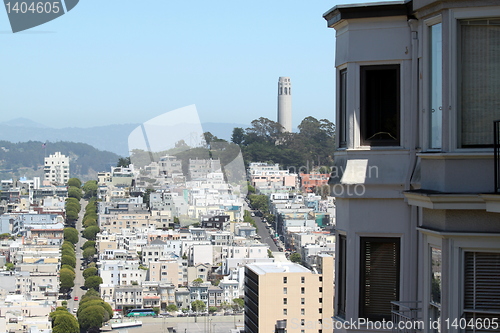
(284, 291)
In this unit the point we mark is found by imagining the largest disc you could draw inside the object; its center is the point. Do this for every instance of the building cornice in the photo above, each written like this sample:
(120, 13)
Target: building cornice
(367, 10)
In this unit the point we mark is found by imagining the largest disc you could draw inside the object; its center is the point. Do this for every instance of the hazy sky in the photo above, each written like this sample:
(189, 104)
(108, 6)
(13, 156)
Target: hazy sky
(123, 61)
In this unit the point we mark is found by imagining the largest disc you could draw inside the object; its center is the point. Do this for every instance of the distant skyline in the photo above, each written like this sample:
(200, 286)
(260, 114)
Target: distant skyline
(124, 62)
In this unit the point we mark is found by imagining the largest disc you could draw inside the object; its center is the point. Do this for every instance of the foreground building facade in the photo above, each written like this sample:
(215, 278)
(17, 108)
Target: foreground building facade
(418, 227)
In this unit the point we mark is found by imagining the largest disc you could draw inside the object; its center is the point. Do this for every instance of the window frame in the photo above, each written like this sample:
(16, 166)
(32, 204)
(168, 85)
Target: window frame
(363, 241)
(452, 69)
(340, 305)
(363, 69)
(426, 95)
(343, 127)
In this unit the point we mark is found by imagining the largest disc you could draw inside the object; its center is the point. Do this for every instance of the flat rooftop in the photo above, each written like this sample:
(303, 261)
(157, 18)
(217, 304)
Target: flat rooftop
(280, 267)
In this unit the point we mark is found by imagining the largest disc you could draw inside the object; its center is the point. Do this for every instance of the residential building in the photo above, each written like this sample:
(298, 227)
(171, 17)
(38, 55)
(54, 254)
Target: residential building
(56, 169)
(290, 292)
(416, 222)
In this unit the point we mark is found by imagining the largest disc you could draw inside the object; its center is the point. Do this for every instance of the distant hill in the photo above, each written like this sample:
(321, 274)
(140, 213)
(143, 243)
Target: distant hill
(26, 159)
(113, 138)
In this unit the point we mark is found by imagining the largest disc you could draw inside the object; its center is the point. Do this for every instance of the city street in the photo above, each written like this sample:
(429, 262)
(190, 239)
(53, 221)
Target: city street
(79, 281)
(214, 324)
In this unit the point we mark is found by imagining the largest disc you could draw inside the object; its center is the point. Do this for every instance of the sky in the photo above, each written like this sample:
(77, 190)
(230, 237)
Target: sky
(123, 61)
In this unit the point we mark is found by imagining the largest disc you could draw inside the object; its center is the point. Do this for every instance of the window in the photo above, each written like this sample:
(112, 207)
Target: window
(320, 310)
(341, 277)
(435, 279)
(284, 312)
(320, 289)
(285, 290)
(436, 85)
(343, 109)
(380, 105)
(302, 312)
(479, 81)
(285, 300)
(379, 277)
(302, 290)
(285, 279)
(481, 286)
(320, 300)
(302, 301)
(302, 279)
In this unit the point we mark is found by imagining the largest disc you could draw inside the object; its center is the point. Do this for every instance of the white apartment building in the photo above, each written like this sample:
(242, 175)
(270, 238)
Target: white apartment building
(56, 169)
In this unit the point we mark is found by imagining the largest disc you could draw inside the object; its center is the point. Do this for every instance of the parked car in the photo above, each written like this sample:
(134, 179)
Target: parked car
(76, 298)
(74, 310)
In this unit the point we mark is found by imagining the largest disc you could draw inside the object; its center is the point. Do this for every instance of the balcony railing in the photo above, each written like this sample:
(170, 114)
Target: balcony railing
(496, 152)
(406, 317)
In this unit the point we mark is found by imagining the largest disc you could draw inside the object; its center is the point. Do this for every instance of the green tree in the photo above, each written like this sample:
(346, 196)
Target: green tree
(73, 206)
(197, 281)
(238, 135)
(68, 267)
(74, 182)
(123, 162)
(295, 257)
(172, 308)
(68, 252)
(71, 215)
(9, 266)
(93, 282)
(91, 318)
(89, 252)
(64, 322)
(71, 235)
(212, 309)
(156, 310)
(68, 246)
(91, 232)
(238, 303)
(68, 260)
(90, 189)
(91, 271)
(88, 244)
(89, 222)
(198, 306)
(74, 192)
(66, 279)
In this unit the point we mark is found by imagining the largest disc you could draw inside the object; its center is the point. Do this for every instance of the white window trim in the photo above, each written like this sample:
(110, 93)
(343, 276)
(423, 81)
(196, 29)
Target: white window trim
(355, 95)
(425, 101)
(457, 247)
(453, 70)
(403, 274)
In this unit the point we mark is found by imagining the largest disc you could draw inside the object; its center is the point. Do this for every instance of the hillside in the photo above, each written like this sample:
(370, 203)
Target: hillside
(26, 159)
(112, 138)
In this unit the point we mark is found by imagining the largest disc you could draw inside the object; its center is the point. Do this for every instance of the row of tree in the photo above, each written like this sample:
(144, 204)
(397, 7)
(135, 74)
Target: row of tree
(91, 229)
(68, 262)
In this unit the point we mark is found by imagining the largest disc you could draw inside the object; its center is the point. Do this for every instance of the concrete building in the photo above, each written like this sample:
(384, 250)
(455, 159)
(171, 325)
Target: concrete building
(291, 292)
(56, 169)
(417, 223)
(285, 103)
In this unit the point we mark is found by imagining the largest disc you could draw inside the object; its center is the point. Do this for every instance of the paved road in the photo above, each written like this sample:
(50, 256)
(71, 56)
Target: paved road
(216, 324)
(77, 291)
(264, 234)
(265, 237)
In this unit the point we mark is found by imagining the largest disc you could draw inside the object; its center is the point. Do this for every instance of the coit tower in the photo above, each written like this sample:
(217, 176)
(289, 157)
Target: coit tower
(285, 103)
